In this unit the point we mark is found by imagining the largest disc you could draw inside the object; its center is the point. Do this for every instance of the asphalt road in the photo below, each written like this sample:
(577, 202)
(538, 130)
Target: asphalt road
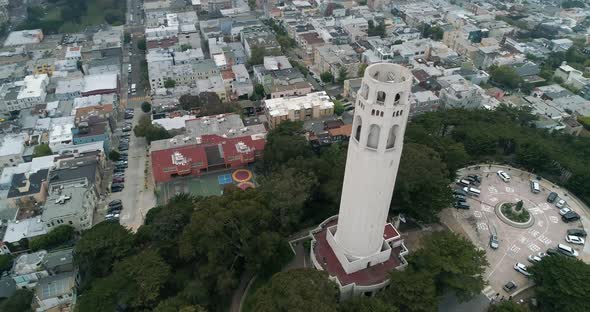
(138, 195)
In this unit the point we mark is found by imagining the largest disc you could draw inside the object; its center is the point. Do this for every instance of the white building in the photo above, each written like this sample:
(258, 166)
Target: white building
(70, 203)
(361, 247)
(310, 106)
(458, 92)
(61, 132)
(24, 37)
(24, 94)
(11, 150)
(242, 84)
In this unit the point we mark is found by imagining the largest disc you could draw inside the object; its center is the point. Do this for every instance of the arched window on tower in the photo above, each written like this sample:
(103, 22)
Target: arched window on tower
(359, 124)
(373, 140)
(392, 136)
(397, 98)
(380, 97)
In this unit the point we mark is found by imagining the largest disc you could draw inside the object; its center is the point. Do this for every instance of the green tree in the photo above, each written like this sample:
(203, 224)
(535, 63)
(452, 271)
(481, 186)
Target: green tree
(100, 247)
(285, 142)
(185, 46)
(342, 74)
(338, 108)
(146, 107)
(376, 30)
(114, 155)
(141, 44)
(287, 190)
(42, 150)
(297, 290)
(507, 306)
(505, 76)
(258, 92)
(411, 291)
(327, 77)
(421, 190)
(59, 236)
(363, 304)
(5, 263)
(561, 284)
(454, 262)
(257, 55)
(169, 83)
(362, 68)
(20, 301)
(127, 38)
(151, 132)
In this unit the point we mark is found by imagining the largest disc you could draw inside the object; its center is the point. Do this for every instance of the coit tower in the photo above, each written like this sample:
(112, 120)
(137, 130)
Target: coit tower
(374, 152)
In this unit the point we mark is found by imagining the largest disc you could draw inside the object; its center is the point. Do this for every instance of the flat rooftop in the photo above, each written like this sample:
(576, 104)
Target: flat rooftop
(230, 125)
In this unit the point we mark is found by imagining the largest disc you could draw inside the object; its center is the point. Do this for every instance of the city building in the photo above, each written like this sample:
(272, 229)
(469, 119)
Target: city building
(24, 37)
(358, 248)
(310, 106)
(11, 150)
(70, 203)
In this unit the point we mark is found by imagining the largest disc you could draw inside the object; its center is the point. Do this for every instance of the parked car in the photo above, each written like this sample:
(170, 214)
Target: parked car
(570, 216)
(116, 189)
(534, 259)
(461, 205)
(576, 240)
(560, 203)
(126, 129)
(522, 269)
(118, 180)
(567, 250)
(460, 197)
(577, 232)
(474, 177)
(553, 252)
(564, 211)
(542, 255)
(552, 197)
(510, 286)
(504, 176)
(112, 216)
(115, 202)
(459, 192)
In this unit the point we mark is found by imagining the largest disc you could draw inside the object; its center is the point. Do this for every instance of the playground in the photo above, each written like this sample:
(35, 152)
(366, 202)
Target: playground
(211, 184)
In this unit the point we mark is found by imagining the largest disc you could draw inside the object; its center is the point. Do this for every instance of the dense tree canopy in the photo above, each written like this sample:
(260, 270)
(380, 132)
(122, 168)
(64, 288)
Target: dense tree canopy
(59, 236)
(561, 284)
(297, 290)
(5, 263)
(454, 262)
(151, 132)
(411, 291)
(505, 76)
(327, 77)
(507, 306)
(421, 190)
(20, 301)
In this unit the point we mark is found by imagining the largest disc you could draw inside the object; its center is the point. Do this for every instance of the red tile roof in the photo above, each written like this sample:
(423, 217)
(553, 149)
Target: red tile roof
(370, 276)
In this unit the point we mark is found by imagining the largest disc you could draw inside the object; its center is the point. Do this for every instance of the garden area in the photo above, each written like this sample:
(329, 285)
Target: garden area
(515, 212)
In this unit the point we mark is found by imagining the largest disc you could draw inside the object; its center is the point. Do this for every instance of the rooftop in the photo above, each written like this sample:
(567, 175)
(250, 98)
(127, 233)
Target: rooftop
(26, 184)
(59, 258)
(55, 285)
(12, 145)
(282, 106)
(229, 125)
(29, 263)
(24, 37)
(69, 201)
(100, 82)
(26, 228)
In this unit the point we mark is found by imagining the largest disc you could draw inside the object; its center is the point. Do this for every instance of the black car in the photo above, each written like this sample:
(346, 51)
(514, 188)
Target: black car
(115, 202)
(553, 252)
(115, 210)
(119, 170)
(461, 205)
(460, 197)
(570, 217)
(128, 116)
(552, 197)
(577, 232)
(116, 189)
(474, 178)
(459, 192)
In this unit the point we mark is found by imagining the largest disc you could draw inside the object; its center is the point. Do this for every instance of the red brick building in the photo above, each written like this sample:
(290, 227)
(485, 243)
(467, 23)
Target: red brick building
(193, 156)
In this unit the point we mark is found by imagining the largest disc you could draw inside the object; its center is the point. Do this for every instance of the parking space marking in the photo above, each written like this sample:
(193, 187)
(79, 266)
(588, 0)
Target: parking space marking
(477, 214)
(509, 189)
(492, 190)
(553, 219)
(493, 199)
(540, 223)
(533, 232)
(544, 206)
(535, 211)
(543, 239)
(486, 208)
(533, 247)
(482, 226)
(514, 249)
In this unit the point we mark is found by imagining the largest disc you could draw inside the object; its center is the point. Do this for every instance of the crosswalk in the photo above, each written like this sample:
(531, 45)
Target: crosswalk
(489, 292)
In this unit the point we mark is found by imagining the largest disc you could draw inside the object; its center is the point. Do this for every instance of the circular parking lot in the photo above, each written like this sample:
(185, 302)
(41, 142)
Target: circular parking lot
(515, 241)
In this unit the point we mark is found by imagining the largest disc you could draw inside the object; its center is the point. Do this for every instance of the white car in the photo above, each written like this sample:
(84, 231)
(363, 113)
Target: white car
(522, 269)
(574, 240)
(542, 255)
(504, 176)
(560, 203)
(534, 259)
(565, 210)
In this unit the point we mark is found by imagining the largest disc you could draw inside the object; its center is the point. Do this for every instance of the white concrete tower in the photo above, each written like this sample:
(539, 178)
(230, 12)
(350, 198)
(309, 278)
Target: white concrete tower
(374, 152)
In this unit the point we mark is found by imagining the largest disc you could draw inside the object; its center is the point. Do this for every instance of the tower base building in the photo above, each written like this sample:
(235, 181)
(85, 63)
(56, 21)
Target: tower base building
(358, 248)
